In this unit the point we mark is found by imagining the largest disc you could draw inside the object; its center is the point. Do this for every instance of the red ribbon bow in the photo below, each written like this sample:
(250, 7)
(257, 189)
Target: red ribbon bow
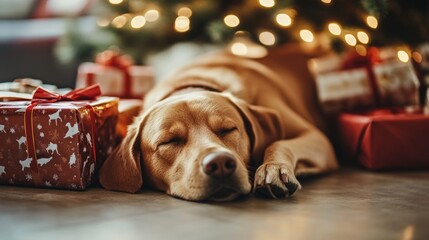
(354, 60)
(41, 95)
(114, 58)
(88, 93)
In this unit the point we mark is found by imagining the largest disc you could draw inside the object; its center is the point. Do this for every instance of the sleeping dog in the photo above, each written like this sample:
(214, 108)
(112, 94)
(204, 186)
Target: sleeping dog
(221, 127)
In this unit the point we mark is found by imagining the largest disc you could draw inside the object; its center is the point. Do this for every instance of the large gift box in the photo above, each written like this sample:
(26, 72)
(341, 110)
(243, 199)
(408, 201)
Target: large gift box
(353, 82)
(386, 139)
(116, 75)
(56, 140)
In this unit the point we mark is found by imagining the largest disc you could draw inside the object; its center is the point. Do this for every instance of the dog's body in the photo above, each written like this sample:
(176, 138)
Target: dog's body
(206, 127)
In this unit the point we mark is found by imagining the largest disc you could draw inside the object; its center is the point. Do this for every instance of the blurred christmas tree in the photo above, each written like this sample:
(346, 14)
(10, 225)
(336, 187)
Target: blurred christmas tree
(140, 27)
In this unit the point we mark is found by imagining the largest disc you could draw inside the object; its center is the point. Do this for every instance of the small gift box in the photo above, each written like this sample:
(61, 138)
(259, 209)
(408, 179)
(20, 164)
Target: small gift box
(28, 85)
(56, 140)
(354, 82)
(128, 110)
(116, 75)
(386, 138)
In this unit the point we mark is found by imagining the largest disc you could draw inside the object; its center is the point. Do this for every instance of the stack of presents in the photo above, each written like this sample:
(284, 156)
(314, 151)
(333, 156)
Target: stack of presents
(59, 138)
(379, 106)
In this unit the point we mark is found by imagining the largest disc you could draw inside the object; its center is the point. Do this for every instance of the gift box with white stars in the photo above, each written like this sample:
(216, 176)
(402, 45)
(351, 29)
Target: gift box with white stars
(68, 142)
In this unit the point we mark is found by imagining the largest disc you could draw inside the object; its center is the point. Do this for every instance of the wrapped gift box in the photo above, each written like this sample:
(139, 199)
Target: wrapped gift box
(64, 137)
(116, 76)
(112, 80)
(28, 85)
(128, 110)
(353, 82)
(386, 139)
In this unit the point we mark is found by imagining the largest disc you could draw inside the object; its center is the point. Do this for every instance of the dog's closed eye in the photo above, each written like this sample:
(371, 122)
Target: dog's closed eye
(225, 131)
(172, 141)
(170, 134)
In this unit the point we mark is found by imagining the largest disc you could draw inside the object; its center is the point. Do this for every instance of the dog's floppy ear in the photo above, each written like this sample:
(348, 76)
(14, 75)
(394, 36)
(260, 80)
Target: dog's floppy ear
(263, 125)
(122, 169)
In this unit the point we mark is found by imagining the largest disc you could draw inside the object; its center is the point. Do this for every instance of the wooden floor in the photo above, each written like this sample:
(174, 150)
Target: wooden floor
(351, 204)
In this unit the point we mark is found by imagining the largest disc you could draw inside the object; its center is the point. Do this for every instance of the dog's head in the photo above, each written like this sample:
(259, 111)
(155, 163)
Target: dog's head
(196, 146)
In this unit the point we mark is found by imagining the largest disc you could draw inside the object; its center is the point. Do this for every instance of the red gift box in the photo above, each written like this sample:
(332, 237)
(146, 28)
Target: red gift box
(353, 82)
(56, 140)
(386, 139)
(116, 75)
(128, 110)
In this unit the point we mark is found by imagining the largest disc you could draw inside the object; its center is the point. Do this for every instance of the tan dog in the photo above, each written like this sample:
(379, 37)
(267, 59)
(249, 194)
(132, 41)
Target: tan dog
(205, 130)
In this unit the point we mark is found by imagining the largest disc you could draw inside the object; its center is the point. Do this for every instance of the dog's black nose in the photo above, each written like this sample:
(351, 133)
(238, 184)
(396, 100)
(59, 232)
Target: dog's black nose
(219, 164)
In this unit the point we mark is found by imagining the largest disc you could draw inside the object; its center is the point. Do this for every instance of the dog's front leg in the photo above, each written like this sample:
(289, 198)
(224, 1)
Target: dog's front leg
(308, 153)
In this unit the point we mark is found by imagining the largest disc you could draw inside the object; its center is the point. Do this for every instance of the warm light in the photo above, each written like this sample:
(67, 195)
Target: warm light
(267, 38)
(326, 1)
(306, 35)
(182, 24)
(267, 3)
(138, 22)
(185, 29)
(372, 22)
(403, 56)
(239, 48)
(184, 11)
(334, 28)
(363, 37)
(151, 15)
(361, 49)
(408, 233)
(283, 19)
(116, 1)
(350, 39)
(102, 22)
(242, 45)
(417, 57)
(231, 20)
(119, 21)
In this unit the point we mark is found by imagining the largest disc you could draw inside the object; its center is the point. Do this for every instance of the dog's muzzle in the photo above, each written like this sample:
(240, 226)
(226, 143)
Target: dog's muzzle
(219, 165)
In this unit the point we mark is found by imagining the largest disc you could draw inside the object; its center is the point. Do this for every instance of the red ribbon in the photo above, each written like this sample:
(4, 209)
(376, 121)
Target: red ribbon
(354, 60)
(88, 93)
(112, 58)
(41, 95)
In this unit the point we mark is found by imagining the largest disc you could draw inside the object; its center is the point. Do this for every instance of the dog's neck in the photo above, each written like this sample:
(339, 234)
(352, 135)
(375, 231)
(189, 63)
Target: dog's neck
(191, 89)
(194, 85)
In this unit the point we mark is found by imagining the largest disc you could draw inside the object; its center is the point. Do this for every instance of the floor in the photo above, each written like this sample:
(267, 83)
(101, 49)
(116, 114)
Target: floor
(350, 204)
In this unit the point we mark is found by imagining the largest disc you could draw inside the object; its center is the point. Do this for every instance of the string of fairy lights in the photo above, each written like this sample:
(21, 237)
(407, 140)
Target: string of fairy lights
(241, 44)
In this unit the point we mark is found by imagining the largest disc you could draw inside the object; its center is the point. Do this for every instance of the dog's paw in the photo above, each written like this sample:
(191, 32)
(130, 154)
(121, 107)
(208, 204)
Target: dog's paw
(275, 180)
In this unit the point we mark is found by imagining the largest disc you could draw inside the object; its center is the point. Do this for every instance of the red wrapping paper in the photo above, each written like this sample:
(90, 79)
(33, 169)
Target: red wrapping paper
(128, 110)
(64, 135)
(355, 82)
(116, 75)
(386, 139)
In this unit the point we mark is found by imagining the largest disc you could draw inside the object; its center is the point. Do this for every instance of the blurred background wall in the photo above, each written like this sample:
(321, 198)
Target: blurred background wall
(29, 31)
